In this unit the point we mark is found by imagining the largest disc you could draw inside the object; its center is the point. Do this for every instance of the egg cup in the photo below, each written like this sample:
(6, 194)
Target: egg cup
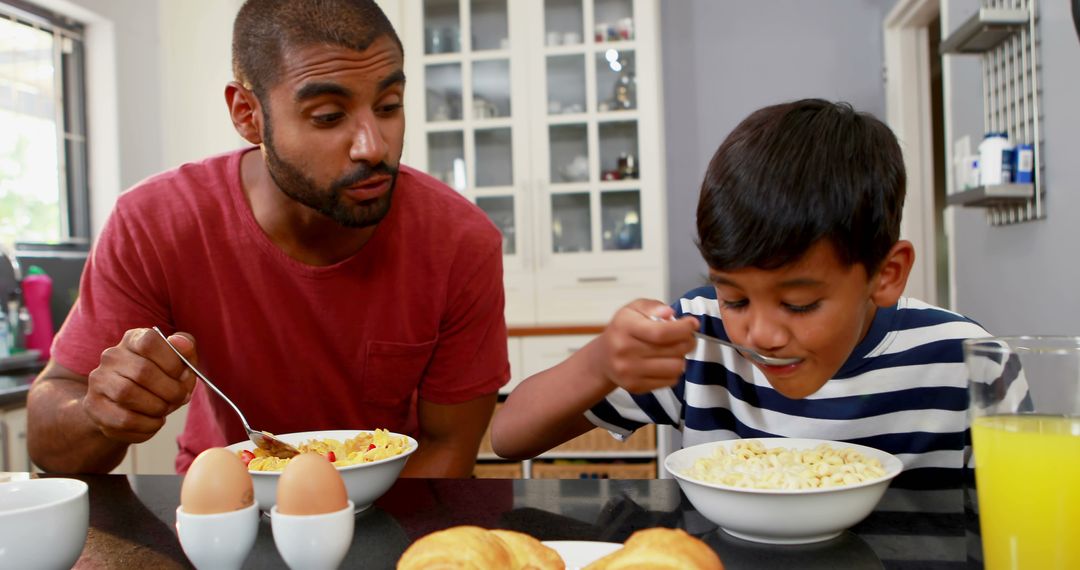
(220, 540)
(314, 542)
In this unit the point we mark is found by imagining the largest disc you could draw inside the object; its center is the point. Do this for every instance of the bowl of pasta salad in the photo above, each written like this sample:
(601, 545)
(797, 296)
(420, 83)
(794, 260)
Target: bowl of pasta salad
(783, 490)
(369, 461)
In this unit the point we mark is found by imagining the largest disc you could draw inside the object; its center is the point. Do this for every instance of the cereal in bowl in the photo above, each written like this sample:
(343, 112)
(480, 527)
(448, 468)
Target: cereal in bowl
(366, 447)
(750, 465)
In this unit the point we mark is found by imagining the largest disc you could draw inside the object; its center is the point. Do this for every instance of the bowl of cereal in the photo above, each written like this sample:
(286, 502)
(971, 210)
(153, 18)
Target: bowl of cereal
(369, 461)
(781, 490)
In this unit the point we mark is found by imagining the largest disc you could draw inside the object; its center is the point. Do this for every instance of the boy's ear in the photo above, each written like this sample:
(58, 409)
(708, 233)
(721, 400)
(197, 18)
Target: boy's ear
(245, 111)
(887, 285)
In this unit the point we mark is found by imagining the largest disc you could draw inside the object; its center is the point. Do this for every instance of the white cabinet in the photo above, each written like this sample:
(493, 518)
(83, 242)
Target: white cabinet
(13, 453)
(546, 114)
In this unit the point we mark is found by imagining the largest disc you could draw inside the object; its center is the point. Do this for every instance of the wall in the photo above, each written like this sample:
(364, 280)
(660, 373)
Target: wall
(1023, 279)
(723, 60)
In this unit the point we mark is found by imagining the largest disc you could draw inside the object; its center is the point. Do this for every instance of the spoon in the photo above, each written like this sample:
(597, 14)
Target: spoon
(745, 351)
(263, 440)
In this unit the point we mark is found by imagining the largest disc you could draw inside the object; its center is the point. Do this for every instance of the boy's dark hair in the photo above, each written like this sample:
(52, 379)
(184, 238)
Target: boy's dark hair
(792, 174)
(265, 29)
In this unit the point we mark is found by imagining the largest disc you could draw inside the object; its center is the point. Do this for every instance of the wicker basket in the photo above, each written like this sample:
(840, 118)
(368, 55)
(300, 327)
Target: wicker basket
(500, 470)
(644, 439)
(543, 470)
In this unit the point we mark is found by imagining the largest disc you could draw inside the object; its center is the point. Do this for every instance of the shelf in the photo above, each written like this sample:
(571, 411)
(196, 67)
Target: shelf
(991, 196)
(984, 30)
(649, 454)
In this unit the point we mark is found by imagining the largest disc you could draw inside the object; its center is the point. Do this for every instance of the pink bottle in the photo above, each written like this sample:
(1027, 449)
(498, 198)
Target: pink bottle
(37, 294)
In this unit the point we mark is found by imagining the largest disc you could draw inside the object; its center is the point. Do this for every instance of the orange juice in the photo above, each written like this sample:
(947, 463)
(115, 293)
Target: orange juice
(1027, 471)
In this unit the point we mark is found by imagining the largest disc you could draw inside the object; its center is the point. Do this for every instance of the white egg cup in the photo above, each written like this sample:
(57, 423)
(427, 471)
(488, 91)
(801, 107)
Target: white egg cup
(313, 542)
(220, 540)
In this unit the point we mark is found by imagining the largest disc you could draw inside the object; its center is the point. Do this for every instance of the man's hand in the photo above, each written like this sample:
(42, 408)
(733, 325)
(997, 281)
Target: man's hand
(641, 354)
(140, 381)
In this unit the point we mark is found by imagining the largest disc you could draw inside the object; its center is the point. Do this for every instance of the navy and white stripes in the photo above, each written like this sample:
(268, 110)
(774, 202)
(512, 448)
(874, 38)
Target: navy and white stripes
(902, 390)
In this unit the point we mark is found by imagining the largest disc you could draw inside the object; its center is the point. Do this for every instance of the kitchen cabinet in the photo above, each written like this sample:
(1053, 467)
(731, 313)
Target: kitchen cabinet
(13, 454)
(593, 455)
(545, 113)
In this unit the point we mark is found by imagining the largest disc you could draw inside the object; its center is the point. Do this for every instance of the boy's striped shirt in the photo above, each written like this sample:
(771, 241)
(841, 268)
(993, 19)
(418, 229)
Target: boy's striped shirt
(902, 390)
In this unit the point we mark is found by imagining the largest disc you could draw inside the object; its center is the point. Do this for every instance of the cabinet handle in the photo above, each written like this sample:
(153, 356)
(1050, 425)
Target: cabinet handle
(573, 349)
(604, 279)
(5, 460)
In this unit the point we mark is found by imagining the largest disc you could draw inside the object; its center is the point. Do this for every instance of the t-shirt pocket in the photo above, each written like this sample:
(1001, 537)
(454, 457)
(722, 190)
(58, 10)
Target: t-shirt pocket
(392, 370)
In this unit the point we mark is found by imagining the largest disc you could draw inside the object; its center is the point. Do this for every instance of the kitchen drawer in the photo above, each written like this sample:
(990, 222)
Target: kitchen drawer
(592, 296)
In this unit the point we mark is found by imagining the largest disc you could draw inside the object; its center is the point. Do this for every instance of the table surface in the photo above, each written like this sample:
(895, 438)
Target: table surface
(132, 517)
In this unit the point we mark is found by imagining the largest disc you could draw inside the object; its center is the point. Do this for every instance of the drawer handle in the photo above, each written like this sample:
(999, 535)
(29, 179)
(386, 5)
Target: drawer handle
(572, 349)
(606, 279)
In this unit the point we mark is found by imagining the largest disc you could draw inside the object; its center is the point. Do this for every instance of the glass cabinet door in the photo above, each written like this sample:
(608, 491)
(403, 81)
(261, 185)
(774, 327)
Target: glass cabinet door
(593, 154)
(470, 108)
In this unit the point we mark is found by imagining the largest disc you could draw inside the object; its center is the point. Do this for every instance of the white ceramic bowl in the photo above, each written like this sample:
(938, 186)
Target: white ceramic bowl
(364, 482)
(43, 523)
(221, 540)
(782, 516)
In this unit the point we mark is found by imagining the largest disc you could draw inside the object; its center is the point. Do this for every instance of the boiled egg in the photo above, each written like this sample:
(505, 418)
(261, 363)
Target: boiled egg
(310, 485)
(216, 482)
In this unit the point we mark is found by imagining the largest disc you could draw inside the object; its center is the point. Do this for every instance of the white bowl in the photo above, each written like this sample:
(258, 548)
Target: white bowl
(364, 482)
(43, 523)
(782, 516)
(313, 542)
(219, 540)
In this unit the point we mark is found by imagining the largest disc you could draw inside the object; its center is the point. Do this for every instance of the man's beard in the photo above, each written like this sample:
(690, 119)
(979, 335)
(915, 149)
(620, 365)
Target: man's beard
(330, 202)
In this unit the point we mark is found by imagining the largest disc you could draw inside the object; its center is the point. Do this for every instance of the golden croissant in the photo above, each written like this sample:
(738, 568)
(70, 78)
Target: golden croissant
(475, 548)
(660, 549)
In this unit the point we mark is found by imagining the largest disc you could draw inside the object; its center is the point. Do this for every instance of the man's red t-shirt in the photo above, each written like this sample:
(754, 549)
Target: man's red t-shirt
(418, 309)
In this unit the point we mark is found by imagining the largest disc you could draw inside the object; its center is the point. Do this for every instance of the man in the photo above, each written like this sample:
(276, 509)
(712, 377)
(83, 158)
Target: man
(326, 284)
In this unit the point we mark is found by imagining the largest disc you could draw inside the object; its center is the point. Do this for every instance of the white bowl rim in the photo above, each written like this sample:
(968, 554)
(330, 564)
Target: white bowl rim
(249, 445)
(892, 464)
(81, 486)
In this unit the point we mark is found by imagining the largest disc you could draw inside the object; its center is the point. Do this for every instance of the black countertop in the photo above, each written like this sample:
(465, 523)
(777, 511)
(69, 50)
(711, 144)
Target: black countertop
(15, 383)
(132, 517)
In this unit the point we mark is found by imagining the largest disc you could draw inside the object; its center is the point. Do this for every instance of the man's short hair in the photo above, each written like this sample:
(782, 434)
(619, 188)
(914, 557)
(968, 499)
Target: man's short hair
(265, 29)
(792, 174)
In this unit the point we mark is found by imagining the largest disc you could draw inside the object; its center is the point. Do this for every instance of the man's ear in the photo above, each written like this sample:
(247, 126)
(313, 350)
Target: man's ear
(245, 111)
(887, 285)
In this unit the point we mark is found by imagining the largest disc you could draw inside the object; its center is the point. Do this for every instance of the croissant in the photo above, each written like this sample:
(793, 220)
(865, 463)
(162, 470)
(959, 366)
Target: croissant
(660, 549)
(474, 548)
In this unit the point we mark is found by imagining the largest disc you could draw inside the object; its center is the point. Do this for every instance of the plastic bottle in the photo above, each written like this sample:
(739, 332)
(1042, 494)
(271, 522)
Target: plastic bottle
(37, 295)
(5, 339)
(995, 159)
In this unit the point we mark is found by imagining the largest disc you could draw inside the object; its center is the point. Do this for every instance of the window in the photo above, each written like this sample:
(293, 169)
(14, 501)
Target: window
(43, 161)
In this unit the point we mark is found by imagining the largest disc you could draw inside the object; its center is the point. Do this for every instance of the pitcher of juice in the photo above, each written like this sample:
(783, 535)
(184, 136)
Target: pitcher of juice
(1025, 428)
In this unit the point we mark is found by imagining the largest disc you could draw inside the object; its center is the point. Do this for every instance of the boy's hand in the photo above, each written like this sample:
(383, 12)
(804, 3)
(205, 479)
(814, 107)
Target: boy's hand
(641, 354)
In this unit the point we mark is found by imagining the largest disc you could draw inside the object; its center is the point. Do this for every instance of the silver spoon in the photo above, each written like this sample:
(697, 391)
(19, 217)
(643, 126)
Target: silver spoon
(745, 351)
(263, 440)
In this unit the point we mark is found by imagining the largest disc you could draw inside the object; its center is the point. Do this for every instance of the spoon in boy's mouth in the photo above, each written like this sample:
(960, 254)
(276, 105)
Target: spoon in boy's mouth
(745, 351)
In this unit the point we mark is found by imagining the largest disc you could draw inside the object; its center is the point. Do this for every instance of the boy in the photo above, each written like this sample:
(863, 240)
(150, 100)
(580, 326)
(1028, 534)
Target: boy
(799, 223)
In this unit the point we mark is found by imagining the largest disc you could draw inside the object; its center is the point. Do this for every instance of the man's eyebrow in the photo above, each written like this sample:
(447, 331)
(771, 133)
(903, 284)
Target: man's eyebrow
(397, 76)
(313, 90)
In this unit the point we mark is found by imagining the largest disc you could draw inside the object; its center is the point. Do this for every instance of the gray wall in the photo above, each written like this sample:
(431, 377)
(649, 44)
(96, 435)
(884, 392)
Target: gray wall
(723, 60)
(1023, 279)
